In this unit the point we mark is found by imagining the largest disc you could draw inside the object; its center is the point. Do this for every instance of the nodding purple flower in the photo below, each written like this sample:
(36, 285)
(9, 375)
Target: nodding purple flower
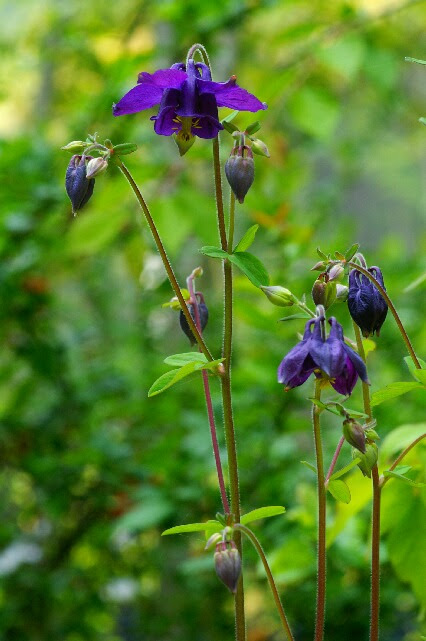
(188, 100)
(366, 305)
(78, 187)
(204, 317)
(328, 358)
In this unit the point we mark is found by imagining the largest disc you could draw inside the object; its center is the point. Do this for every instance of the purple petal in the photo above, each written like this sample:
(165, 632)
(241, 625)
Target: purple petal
(137, 99)
(328, 355)
(345, 382)
(229, 94)
(292, 365)
(206, 127)
(163, 78)
(165, 122)
(357, 362)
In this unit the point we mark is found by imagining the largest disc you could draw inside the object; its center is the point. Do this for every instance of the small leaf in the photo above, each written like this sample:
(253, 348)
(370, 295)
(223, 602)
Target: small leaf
(262, 513)
(420, 62)
(230, 117)
(340, 491)
(294, 317)
(213, 252)
(339, 255)
(355, 413)
(174, 376)
(323, 406)
(247, 239)
(351, 251)
(321, 254)
(229, 126)
(125, 148)
(251, 266)
(345, 469)
(190, 527)
(423, 121)
(400, 476)
(178, 360)
(418, 374)
(393, 390)
(251, 129)
(310, 466)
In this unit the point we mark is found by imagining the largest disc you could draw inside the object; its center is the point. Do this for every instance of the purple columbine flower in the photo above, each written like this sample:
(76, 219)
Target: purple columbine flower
(329, 358)
(366, 305)
(188, 100)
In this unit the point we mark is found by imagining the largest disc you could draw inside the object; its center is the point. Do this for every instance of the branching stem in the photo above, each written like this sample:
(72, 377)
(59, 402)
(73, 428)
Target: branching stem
(321, 558)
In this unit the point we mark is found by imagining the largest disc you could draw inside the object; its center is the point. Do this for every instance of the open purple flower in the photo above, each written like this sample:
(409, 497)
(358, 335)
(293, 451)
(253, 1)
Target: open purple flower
(366, 305)
(329, 358)
(188, 100)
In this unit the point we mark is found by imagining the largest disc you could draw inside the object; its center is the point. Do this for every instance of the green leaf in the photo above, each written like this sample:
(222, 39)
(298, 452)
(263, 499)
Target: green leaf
(251, 266)
(350, 253)
(339, 255)
(125, 148)
(392, 391)
(310, 466)
(213, 252)
(262, 513)
(230, 117)
(345, 469)
(178, 360)
(247, 239)
(420, 62)
(399, 473)
(321, 254)
(251, 129)
(175, 375)
(229, 126)
(294, 317)
(191, 527)
(340, 491)
(418, 374)
(400, 438)
(423, 121)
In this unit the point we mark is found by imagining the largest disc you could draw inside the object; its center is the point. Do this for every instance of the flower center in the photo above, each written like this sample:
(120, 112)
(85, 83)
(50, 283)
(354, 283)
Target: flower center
(187, 123)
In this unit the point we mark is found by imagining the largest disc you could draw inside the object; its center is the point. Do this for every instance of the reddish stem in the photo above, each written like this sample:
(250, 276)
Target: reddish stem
(334, 460)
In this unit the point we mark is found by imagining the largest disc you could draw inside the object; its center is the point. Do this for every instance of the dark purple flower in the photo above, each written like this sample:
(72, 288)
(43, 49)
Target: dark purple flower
(204, 317)
(188, 100)
(330, 358)
(227, 563)
(366, 305)
(79, 188)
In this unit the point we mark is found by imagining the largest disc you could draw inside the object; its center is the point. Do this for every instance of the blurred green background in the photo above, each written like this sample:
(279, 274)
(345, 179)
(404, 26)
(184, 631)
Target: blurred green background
(92, 471)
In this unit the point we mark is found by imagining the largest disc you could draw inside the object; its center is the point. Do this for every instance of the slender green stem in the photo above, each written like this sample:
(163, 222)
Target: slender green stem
(240, 625)
(375, 523)
(321, 559)
(391, 306)
(231, 222)
(251, 535)
(169, 270)
(397, 461)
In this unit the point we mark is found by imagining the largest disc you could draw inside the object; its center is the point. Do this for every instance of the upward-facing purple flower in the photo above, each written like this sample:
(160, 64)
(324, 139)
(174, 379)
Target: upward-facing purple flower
(330, 358)
(188, 100)
(366, 305)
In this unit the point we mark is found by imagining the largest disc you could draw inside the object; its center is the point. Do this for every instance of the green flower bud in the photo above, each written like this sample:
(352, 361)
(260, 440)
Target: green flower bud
(324, 293)
(354, 434)
(76, 146)
(337, 272)
(279, 296)
(95, 166)
(341, 293)
(258, 147)
(368, 460)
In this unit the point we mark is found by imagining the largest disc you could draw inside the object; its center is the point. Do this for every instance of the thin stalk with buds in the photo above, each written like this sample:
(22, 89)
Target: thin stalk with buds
(321, 552)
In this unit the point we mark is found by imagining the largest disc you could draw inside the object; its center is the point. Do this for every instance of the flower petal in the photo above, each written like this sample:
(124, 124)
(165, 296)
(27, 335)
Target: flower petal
(229, 94)
(165, 122)
(137, 99)
(346, 381)
(163, 78)
(357, 362)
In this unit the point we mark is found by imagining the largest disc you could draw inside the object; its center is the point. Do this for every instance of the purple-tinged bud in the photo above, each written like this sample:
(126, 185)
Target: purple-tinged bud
(319, 266)
(239, 170)
(365, 303)
(77, 185)
(336, 272)
(279, 296)
(227, 563)
(368, 459)
(354, 434)
(204, 317)
(95, 166)
(324, 293)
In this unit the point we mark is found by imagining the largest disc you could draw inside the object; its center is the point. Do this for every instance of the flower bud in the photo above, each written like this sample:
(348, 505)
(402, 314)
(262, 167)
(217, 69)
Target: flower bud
(227, 563)
(324, 293)
(95, 166)
(354, 434)
(204, 317)
(336, 272)
(258, 147)
(78, 187)
(371, 434)
(279, 296)
(341, 293)
(319, 266)
(76, 146)
(368, 459)
(239, 170)
(365, 303)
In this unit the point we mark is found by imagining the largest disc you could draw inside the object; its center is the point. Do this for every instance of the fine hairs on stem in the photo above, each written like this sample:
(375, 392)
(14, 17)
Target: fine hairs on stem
(321, 550)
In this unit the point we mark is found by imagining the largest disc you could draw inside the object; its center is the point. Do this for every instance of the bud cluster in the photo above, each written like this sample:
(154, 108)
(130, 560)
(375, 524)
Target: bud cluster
(362, 438)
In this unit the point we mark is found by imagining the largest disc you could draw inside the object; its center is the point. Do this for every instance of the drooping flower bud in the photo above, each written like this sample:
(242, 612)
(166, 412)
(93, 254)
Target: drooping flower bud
(368, 459)
(95, 166)
(365, 303)
(75, 146)
(279, 296)
(227, 563)
(354, 434)
(79, 188)
(324, 293)
(336, 272)
(204, 317)
(258, 147)
(239, 170)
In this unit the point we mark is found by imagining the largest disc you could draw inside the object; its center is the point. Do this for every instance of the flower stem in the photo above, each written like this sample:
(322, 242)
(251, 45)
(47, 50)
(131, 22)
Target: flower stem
(321, 558)
(231, 222)
(169, 270)
(240, 625)
(334, 460)
(251, 535)
(209, 404)
(391, 306)
(397, 461)
(375, 524)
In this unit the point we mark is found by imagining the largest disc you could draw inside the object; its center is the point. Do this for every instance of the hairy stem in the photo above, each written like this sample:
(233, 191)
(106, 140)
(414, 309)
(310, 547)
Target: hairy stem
(169, 270)
(251, 535)
(209, 404)
(231, 222)
(375, 523)
(391, 306)
(321, 553)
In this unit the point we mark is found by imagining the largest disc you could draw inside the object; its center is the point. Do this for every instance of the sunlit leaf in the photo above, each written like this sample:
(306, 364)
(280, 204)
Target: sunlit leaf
(345, 469)
(213, 252)
(251, 266)
(178, 360)
(247, 239)
(418, 374)
(262, 513)
(339, 490)
(191, 527)
(392, 391)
